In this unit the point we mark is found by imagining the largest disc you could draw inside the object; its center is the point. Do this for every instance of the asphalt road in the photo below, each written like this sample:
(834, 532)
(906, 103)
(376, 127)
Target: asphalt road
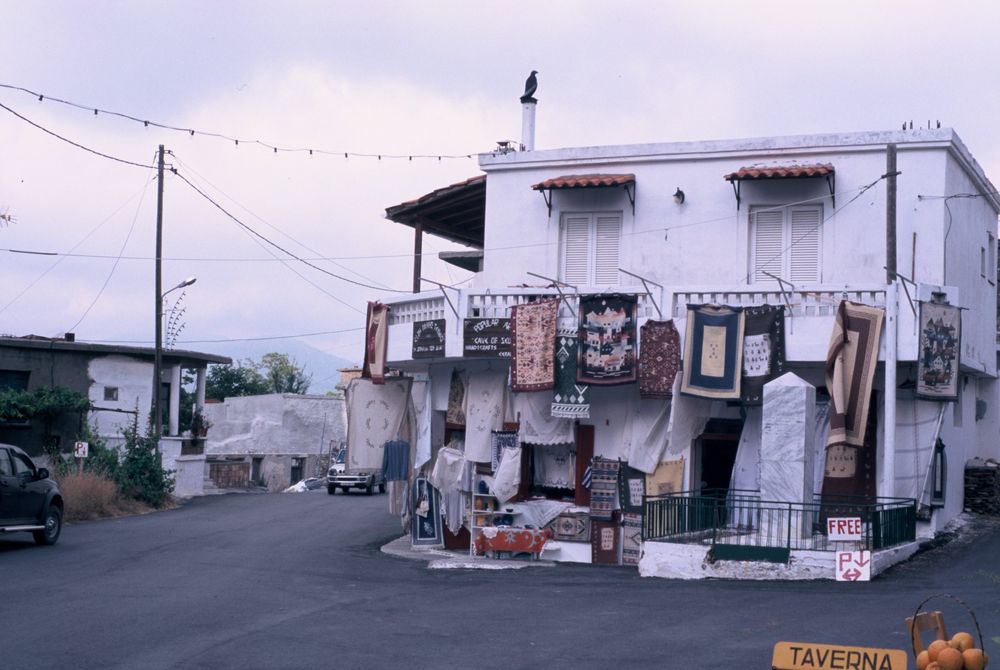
(298, 581)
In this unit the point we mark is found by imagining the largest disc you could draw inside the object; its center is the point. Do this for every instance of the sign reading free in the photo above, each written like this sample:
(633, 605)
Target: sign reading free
(808, 656)
(843, 529)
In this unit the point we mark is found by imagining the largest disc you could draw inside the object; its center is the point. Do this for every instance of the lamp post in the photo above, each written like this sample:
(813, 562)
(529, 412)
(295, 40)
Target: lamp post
(158, 359)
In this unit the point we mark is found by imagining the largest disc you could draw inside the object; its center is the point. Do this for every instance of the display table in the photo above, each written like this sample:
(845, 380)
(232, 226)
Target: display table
(512, 540)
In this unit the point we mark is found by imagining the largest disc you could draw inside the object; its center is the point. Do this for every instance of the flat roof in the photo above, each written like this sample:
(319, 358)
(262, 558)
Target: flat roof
(59, 344)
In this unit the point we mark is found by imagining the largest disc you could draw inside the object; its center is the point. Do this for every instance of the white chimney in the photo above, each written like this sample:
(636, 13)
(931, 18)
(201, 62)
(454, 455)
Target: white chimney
(528, 124)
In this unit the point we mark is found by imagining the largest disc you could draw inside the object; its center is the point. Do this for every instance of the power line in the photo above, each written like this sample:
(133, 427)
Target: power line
(275, 148)
(275, 244)
(75, 144)
(238, 339)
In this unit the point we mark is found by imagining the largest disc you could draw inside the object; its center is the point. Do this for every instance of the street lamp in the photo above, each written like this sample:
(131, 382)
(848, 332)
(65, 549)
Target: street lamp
(158, 359)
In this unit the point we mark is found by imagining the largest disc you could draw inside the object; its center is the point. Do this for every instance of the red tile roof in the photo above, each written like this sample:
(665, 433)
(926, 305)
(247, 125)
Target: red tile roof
(585, 181)
(781, 171)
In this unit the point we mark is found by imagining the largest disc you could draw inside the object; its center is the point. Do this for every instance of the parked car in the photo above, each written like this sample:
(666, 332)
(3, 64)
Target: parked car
(355, 479)
(29, 500)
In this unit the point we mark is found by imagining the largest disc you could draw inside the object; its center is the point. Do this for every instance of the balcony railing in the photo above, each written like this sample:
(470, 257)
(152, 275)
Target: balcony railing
(741, 519)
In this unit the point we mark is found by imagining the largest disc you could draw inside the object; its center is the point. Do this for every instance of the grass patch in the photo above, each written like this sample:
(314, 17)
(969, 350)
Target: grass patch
(90, 496)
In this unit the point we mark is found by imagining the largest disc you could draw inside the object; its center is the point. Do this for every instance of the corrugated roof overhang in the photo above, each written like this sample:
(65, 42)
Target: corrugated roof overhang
(456, 212)
(586, 181)
(804, 171)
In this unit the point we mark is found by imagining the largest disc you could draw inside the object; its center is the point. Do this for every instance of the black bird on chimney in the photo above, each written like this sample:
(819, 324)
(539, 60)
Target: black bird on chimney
(530, 86)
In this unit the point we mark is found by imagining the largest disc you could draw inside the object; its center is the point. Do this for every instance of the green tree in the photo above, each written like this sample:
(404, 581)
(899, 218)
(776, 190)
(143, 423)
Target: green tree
(283, 375)
(230, 381)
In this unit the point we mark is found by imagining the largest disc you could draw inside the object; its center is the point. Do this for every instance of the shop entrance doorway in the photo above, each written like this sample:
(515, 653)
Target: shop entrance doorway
(715, 455)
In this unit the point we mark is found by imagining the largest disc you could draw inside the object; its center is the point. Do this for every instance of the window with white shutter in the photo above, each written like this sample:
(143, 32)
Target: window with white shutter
(590, 248)
(786, 242)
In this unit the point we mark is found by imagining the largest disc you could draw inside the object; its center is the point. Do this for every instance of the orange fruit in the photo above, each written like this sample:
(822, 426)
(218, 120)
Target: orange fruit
(974, 659)
(963, 641)
(950, 659)
(935, 648)
(922, 660)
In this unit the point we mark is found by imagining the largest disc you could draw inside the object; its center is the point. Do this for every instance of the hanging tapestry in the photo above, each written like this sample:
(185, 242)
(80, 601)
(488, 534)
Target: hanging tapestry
(940, 344)
(631, 539)
(456, 400)
(485, 400)
(570, 398)
(508, 476)
(396, 460)
(571, 527)
(606, 352)
(603, 487)
(533, 332)
(374, 416)
(376, 341)
(659, 358)
(713, 352)
(668, 478)
(850, 370)
(631, 489)
(604, 541)
(763, 351)
(426, 519)
(500, 440)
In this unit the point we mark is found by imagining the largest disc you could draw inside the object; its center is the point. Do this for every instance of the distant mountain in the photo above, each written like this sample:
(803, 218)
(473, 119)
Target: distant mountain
(321, 365)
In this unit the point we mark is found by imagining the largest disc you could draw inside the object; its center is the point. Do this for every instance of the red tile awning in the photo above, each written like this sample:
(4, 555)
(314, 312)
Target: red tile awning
(781, 172)
(803, 171)
(584, 181)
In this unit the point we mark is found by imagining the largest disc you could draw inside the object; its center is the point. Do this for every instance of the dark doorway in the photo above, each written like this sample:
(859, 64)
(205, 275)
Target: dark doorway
(718, 455)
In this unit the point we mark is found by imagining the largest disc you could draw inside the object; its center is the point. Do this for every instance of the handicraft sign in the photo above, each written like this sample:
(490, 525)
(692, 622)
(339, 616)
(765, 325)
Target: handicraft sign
(486, 338)
(940, 344)
(428, 338)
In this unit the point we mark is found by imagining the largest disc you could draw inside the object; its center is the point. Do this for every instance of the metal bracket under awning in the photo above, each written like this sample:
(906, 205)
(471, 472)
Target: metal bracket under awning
(831, 182)
(629, 191)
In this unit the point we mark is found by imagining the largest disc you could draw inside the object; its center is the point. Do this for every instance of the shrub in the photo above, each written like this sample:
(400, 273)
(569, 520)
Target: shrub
(140, 472)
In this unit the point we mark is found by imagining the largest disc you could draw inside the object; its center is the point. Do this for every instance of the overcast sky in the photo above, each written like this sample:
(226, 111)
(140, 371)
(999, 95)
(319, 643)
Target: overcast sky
(395, 78)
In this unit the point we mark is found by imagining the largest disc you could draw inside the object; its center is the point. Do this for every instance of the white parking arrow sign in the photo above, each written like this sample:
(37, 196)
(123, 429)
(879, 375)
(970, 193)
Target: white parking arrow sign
(854, 566)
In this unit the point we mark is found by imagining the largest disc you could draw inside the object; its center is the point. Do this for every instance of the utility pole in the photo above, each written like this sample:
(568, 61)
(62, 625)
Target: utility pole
(158, 355)
(888, 474)
(890, 213)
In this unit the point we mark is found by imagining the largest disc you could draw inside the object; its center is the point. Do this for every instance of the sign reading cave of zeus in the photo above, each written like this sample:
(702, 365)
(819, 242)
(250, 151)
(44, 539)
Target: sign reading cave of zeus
(486, 338)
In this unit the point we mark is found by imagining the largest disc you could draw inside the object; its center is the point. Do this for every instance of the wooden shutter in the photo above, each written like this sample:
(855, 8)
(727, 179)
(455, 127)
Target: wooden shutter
(805, 228)
(768, 244)
(576, 250)
(607, 242)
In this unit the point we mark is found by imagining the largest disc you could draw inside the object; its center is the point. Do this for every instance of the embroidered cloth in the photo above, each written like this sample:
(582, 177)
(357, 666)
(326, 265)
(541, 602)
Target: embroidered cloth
(456, 399)
(536, 423)
(426, 519)
(570, 397)
(850, 370)
(659, 358)
(374, 416)
(376, 341)
(713, 352)
(533, 332)
(763, 351)
(485, 397)
(508, 475)
(603, 487)
(500, 440)
(555, 466)
(607, 340)
(449, 469)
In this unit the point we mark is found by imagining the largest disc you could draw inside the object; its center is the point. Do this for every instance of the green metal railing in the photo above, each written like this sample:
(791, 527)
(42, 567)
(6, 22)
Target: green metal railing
(740, 518)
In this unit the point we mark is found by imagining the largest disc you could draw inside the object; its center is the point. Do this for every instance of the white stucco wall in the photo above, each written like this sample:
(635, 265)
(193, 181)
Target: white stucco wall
(134, 381)
(285, 424)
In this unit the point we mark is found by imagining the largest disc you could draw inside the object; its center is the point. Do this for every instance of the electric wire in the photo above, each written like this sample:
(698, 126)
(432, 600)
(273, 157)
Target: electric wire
(238, 339)
(114, 266)
(275, 148)
(75, 144)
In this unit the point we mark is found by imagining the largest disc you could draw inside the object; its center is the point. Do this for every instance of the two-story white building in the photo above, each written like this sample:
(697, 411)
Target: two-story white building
(802, 223)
